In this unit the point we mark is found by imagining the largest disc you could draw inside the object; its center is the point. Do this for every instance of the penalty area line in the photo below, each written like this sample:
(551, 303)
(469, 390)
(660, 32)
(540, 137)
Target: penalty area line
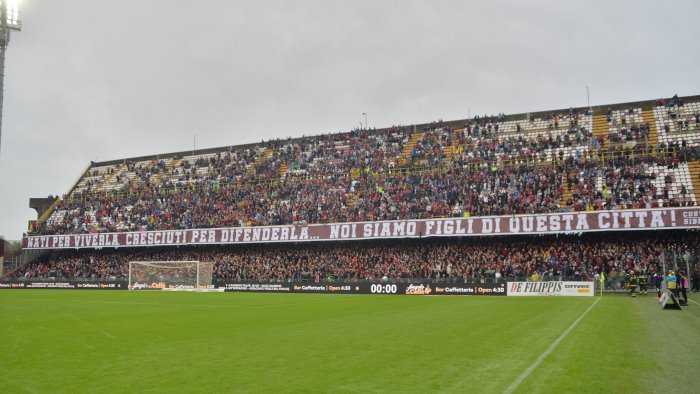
(547, 352)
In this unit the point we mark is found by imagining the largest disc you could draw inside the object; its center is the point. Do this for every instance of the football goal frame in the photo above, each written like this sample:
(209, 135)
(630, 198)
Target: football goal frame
(185, 275)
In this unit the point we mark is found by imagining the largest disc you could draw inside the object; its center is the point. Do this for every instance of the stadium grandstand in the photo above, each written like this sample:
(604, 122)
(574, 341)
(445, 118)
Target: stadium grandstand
(572, 180)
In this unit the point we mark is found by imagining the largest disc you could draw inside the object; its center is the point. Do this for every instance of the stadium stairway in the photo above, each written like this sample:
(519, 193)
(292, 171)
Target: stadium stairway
(600, 127)
(450, 152)
(173, 163)
(351, 201)
(694, 169)
(408, 148)
(565, 196)
(283, 170)
(107, 179)
(168, 170)
(259, 159)
(454, 150)
(648, 116)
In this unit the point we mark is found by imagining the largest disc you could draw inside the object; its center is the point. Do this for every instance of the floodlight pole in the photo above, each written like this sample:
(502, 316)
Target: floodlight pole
(4, 40)
(8, 22)
(588, 98)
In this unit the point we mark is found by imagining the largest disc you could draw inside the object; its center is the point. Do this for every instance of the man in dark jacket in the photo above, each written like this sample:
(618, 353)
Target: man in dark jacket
(633, 282)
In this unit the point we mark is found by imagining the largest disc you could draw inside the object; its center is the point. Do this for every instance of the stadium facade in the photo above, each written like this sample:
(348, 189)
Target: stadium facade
(611, 169)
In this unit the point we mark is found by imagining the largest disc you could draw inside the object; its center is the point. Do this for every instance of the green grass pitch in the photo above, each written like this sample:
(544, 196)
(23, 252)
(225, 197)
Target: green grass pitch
(118, 341)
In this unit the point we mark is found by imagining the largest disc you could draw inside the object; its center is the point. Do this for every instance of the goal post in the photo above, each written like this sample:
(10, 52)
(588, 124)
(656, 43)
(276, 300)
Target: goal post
(171, 275)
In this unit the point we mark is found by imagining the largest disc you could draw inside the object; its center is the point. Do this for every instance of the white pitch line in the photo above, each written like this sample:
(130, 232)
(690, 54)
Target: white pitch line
(218, 306)
(693, 301)
(547, 352)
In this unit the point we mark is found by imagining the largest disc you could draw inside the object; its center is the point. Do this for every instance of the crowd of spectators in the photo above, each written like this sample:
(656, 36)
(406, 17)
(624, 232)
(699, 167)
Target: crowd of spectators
(489, 166)
(626, 126)
(676, 116)
(641, 180)
(453, 260)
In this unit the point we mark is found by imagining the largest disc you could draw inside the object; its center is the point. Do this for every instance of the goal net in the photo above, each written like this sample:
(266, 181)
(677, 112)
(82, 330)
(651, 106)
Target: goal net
(171, 275)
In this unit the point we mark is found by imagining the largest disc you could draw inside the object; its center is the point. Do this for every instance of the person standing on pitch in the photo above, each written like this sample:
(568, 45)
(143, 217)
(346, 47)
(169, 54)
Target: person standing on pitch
(643, 282)
(633, 281)
(658, 282)
(683, 285)
(672, 283)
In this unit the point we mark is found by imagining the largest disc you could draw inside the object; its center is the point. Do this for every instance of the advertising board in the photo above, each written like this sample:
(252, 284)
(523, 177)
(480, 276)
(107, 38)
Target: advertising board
(551, 288)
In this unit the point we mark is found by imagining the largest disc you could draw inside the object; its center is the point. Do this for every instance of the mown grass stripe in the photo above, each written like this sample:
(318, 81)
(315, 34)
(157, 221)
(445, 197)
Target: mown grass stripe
(547, 352)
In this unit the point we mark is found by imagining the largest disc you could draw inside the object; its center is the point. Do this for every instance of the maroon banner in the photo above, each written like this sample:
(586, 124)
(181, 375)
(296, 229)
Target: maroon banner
(553, 223)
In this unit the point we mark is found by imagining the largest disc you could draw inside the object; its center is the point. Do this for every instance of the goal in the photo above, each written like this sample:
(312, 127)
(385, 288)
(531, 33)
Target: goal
(171, 275)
